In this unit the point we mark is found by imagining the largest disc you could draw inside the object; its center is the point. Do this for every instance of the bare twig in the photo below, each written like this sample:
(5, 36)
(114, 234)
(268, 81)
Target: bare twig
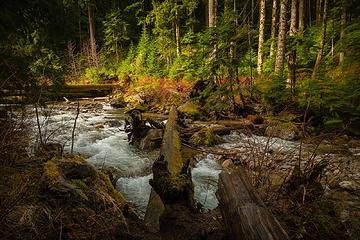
(73, 131)
(38, 125)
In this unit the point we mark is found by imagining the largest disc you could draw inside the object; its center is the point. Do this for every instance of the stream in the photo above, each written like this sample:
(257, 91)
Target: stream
(99, 137)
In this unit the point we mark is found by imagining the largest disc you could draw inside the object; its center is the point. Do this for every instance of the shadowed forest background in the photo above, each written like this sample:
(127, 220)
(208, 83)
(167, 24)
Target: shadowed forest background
(296, 54)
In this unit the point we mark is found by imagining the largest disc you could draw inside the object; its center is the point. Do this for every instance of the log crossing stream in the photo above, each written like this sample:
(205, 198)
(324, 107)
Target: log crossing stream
(100, 138)
(51, 92)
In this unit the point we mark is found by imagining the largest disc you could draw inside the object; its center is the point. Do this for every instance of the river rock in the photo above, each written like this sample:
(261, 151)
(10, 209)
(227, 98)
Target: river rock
(349, 185)
(114, 124)
(206, 137)
(285, 133)
(118, 103)
(189, 109)
(152, 139)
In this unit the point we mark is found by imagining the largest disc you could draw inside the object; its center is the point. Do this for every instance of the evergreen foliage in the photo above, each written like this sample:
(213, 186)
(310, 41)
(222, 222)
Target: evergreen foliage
(137, 39)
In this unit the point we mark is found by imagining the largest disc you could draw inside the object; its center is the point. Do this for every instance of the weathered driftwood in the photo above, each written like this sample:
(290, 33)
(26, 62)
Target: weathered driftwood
(170, 153)
(244, 213)
(137, 127)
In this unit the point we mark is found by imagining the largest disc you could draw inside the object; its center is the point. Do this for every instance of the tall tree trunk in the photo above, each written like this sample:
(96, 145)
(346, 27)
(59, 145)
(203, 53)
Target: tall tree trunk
(301, 16)
(79, 23)
(233, 68)
(212, 12)
(318, 11)
(252, 12)
(232, 43)
(322, 43)
(293, 18)
(177, 31)
(92, 34)
(273, 27)
(342, 33)
(261, 36)
(292, 54)
(212, 23)
(280, 53)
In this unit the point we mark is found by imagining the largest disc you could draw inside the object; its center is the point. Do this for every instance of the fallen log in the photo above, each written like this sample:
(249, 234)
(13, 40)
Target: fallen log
(245, 215)
(170, 153)
(218, 130)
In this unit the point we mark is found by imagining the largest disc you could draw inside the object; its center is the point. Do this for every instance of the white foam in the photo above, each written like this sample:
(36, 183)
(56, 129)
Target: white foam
(205, 176)
(137, 190)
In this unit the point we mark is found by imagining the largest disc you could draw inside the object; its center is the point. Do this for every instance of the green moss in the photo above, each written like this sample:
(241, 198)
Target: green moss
(80, 189)
(52, 173)
(189, 109)
(110, 188)
(207, 137)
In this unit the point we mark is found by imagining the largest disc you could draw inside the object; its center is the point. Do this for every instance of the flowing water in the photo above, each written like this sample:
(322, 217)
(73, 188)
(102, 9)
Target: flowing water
(100, 138)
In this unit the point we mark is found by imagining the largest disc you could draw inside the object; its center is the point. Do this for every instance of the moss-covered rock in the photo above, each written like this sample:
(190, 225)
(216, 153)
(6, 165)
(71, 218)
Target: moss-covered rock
(64, 197)
(206, 137)
(283, 130)
(189, 109)
(118, 103)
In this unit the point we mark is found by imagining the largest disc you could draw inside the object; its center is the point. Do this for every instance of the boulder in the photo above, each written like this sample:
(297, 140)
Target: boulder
(206, 137)
(189, 109)
(152, 139)
(118, 103)
(283, 132)
(114, 123)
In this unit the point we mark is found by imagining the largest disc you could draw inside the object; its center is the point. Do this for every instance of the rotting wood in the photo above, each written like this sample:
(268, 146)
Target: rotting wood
(170, 150)
(219, 130)
(245, 215)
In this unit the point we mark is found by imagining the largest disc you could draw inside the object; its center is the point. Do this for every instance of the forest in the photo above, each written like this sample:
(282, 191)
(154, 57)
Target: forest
(180, 119)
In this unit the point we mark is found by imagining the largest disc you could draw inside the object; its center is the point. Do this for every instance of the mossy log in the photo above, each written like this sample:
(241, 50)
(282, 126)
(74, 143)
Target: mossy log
(172, 189)
(244, 213)
(169, 179)
(222, 128)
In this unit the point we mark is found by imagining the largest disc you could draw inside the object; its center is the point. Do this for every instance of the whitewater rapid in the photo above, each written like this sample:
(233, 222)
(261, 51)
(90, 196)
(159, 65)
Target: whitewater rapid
(99, 137)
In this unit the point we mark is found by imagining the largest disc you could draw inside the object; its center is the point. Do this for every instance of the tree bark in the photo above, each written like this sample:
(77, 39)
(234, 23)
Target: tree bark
(342, 33)
(92, 34)
(292, 54)
(318, 11)
(273, 27)
(261, 36)
(212, 24)
(322, 43)
(293, 18)
(171, 153)
(244, 213)
(232, 43)
(252, 12)
(212, 12)
(301, 16)
(280, 53)
(177, 31)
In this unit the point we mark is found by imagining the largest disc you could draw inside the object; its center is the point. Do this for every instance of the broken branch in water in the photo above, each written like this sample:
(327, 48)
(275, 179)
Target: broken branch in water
(73, 131)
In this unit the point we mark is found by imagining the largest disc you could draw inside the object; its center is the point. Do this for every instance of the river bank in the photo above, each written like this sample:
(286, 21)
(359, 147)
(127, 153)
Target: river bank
(100, 139)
